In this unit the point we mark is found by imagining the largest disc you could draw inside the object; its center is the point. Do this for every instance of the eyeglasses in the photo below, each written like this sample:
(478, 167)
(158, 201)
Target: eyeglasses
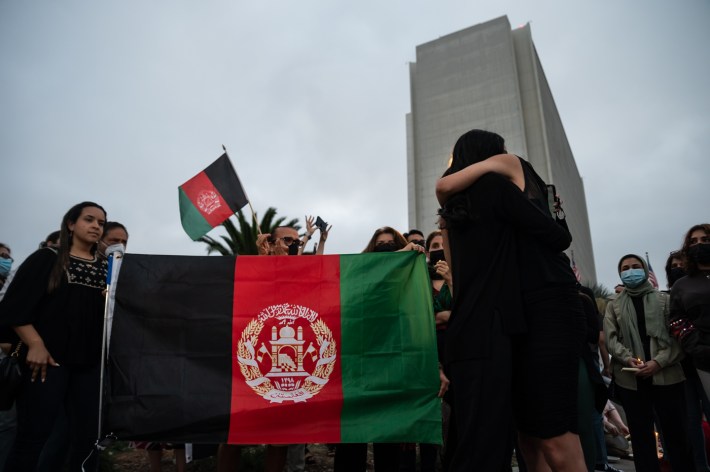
(7, 256)
(420, 242)
(289, 241)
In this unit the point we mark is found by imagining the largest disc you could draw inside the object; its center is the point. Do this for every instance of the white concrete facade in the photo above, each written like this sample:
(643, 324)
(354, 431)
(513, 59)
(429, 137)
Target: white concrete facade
(489, 77)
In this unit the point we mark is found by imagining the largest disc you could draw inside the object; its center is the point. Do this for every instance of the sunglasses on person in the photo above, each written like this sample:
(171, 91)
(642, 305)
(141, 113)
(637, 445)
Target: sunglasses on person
(290, 241)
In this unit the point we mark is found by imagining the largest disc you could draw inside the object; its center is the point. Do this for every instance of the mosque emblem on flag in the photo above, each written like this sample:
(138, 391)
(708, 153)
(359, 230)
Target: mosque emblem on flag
(286, 353)
(208, 201)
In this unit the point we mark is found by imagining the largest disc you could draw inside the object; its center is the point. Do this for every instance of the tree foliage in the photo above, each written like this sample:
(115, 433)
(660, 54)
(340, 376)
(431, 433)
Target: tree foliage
(600, 291)
(241, 237)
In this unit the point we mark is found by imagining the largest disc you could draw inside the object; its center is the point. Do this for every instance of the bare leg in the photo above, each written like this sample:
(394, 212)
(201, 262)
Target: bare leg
(228, 457)
(531, 449)
(564, 453)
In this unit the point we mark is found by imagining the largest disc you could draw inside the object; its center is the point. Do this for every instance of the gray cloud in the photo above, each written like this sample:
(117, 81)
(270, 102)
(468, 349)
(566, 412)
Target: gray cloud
(122, 103)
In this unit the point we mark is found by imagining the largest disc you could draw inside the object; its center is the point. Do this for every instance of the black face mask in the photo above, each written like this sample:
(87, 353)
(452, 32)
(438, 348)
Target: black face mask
(700, 253)
(293, 249)
(386, 247)
(675, 274)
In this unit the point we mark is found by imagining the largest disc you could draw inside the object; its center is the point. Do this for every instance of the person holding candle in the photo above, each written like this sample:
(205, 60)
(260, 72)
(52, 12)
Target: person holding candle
(646, 367)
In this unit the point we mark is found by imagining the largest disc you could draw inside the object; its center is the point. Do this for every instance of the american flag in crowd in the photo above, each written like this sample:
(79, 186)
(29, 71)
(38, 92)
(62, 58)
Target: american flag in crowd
(575, 270)
(651, 274)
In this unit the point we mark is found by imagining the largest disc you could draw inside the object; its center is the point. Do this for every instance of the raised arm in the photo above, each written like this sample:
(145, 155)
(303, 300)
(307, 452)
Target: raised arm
(508, 165)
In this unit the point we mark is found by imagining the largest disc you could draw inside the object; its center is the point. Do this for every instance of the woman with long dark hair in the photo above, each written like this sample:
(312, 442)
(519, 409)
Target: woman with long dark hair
(690, 301)
(514, 289)
(55, 306)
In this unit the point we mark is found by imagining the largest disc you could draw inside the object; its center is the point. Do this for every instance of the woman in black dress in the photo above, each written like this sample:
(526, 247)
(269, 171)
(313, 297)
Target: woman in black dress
(537, 283)
(55, 306)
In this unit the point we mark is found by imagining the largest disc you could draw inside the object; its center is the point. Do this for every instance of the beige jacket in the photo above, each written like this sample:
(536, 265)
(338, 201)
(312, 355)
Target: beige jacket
(667, 357)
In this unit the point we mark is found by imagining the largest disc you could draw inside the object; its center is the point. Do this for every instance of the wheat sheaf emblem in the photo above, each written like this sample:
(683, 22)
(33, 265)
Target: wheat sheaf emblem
(293, 359)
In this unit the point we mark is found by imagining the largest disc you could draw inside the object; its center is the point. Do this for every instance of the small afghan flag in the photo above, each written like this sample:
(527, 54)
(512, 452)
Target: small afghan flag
(210, 198)
(274, 350)
(651, 274)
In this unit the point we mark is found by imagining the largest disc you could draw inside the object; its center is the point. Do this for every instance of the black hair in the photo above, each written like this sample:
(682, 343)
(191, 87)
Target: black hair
(691, 266)
(669, 264)
(430, 238)
(473, 146)
(112, 225)
(65, 242)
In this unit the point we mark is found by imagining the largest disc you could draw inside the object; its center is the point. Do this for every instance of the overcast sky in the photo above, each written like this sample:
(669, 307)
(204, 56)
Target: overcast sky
(121, 102)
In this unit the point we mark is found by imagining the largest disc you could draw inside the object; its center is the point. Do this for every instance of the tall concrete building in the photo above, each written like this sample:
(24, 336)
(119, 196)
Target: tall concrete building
(489, 77)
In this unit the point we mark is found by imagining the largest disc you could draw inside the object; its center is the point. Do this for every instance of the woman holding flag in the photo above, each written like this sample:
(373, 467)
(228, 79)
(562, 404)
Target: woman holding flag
(55, 306)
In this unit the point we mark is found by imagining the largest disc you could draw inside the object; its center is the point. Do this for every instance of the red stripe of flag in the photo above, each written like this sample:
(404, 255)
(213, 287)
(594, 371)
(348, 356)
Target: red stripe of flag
(651, 274)
(207, 199)
(276, 346)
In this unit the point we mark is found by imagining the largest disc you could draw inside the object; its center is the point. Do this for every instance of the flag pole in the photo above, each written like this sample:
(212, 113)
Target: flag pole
(253, 213)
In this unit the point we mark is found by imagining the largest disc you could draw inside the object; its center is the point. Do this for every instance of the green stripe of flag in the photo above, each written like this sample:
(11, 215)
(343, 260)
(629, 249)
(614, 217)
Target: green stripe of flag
(389, 360)
(192, 220)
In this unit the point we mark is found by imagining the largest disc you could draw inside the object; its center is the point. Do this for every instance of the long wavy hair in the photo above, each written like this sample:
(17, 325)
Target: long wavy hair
(66, 241)
(399, 240)
(691, 267)
(473, 146)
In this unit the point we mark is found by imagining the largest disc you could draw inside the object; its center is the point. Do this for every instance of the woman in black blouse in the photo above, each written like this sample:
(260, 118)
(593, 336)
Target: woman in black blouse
(690, 301)
(55, 306)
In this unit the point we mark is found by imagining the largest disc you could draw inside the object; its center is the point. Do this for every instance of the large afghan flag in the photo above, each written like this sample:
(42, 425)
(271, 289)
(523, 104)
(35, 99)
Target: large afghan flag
(275, 350)
(210, 198)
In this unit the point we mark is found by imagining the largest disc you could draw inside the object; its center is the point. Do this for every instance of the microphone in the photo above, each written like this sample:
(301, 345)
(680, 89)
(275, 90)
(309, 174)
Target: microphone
(116, 249)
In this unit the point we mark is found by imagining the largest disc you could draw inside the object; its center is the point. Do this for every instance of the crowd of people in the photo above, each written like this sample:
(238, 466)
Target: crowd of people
(532, 365)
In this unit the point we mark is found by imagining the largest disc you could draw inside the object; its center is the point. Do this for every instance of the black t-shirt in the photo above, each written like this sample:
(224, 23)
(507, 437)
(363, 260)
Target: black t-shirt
(485, 266)
(70, 319)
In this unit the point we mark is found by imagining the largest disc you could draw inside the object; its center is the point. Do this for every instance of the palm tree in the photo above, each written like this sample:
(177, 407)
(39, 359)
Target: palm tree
(600, 291)
(243, 240)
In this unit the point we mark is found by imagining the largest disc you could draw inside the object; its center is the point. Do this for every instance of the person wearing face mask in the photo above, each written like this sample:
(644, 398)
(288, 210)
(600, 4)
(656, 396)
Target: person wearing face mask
(695, 398)
(8, 421)
(690, 301)
(440, 277)
(5, 263)
(415, 236)
(282, 241)
(674, 268)
(114, 233)
(352, 457)
(646, 367)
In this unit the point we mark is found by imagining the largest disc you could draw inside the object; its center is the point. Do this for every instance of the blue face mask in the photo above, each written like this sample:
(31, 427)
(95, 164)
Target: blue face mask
(632, 278)
(5, 266)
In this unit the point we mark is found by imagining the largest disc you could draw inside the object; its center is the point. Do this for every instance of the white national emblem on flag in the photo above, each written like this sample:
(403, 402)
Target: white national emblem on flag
(297, 353)
(208, 201)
